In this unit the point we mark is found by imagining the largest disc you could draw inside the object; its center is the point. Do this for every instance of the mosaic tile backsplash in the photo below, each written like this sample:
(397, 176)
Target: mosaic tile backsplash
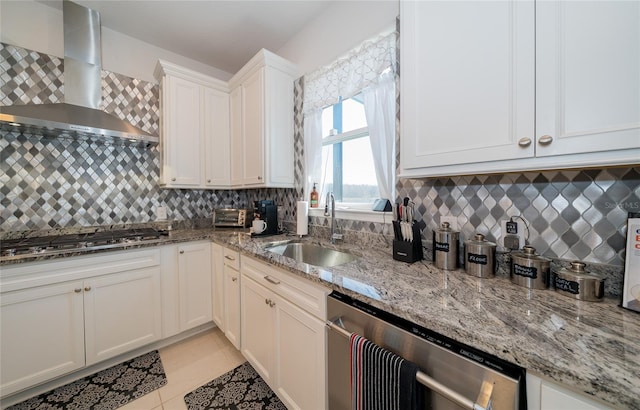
(64, 183)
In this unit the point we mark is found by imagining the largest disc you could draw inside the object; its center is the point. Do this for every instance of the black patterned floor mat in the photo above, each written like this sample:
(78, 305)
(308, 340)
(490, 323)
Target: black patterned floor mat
(241, 388)
(106, 390)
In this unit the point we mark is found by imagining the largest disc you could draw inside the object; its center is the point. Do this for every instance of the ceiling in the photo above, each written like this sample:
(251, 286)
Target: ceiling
(221, 34)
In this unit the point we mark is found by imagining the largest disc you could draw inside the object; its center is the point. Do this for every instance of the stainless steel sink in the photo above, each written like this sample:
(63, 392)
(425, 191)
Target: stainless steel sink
(311, 254)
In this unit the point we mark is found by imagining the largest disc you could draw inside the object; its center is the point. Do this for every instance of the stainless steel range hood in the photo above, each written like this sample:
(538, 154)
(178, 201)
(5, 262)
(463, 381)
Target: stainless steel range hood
(80, 115)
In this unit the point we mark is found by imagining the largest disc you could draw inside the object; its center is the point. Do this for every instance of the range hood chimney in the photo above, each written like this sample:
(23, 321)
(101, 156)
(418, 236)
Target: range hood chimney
(80, 115)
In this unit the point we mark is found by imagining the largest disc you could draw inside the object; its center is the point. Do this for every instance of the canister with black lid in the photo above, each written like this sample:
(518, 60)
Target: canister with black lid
(578, 283)
(445, 247)
(480, 257)
(530, 270)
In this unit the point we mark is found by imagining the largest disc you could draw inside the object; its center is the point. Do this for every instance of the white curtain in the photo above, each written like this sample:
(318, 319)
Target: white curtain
(380, 110)
(369, 68)
(313, 152)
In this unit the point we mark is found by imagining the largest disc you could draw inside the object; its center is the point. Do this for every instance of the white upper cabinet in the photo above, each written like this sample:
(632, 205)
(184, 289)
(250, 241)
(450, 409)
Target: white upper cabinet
(194, 129)
(467, 82)
(518, 85)
(588, 77)
(262, 123)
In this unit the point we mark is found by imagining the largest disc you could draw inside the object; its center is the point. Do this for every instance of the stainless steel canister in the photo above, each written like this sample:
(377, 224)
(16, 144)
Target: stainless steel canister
(576, 282)
(480, 257)
(445, 247)
(530, 270)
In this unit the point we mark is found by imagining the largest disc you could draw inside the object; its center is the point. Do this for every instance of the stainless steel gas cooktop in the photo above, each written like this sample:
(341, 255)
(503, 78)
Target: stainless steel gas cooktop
(56, 244)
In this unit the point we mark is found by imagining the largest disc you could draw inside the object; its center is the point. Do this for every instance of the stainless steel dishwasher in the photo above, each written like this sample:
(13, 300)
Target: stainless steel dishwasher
(452, 375)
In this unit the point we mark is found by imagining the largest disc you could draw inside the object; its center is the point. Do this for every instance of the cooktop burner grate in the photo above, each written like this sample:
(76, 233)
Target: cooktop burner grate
(92, 240)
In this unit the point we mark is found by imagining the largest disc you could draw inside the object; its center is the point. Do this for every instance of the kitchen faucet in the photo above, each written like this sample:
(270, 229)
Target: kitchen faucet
(331, 200)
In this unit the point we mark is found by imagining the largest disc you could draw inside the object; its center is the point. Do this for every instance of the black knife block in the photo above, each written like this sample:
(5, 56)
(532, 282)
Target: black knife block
(409, 252)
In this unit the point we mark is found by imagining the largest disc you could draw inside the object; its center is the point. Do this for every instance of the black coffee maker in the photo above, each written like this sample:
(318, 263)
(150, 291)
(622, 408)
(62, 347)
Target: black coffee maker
(267, 210)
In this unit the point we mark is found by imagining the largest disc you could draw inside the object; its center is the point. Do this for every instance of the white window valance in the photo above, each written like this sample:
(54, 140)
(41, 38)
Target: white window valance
(350, 74)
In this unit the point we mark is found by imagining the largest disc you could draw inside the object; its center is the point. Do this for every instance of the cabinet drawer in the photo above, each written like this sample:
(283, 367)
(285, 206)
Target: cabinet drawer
(306, 295)
(231, 258)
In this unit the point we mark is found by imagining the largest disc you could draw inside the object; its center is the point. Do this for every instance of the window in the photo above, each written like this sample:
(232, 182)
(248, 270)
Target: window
(347, 160)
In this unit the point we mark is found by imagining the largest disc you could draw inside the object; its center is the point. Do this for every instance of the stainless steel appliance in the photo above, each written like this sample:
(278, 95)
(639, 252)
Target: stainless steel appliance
(239, 218)
(14, 249)
(454, 376)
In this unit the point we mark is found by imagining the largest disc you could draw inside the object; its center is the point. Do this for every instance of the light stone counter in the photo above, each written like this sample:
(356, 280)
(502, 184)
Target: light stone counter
(591, 347)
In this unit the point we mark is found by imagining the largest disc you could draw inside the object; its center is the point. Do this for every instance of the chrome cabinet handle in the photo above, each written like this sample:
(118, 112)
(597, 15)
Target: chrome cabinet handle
(229, 257)
(271, 280)
(77, 290)
(87, 289)
(545, 140)
(524, 142)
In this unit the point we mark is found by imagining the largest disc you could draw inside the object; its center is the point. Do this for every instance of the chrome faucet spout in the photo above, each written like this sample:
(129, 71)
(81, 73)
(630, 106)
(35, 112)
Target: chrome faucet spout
(331, 202)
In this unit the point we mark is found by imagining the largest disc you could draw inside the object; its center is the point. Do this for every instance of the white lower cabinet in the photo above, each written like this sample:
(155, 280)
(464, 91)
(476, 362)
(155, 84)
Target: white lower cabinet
(283, 333)
(57, 317)
(545, 395)
(217, 266)
(231, 282)
(121, 313)
(194, 278)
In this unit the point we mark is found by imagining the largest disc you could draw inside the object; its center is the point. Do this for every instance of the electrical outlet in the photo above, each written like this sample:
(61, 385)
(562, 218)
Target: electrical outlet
(513, 234)
(453, 221)
(161, 213)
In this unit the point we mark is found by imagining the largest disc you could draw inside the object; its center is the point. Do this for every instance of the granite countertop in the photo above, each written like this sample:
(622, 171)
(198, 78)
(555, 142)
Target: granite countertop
(590, 347)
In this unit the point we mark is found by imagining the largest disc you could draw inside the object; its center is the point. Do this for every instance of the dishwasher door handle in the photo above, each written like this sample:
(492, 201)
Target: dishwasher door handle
(484, 397)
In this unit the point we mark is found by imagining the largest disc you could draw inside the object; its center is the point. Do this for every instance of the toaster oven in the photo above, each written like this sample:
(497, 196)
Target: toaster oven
(238, 218)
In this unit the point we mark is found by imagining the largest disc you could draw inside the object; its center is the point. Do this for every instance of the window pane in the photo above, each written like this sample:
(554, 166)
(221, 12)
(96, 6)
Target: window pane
(353, 114)
(359, 176)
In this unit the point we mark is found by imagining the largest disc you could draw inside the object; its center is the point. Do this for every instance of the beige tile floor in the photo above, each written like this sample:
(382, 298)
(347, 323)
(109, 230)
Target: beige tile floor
(188, 365)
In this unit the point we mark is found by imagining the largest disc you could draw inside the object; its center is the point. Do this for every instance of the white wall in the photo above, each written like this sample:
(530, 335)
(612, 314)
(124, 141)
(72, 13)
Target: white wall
(38, 27)
(341, 27)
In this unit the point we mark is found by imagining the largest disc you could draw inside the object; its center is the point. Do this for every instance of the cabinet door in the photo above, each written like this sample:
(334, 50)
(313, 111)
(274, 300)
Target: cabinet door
(217, 265)
(194, 278)
(467, 82)
(301, 354)
(237, 139)
(253, 108)
(587, 81)
(258, 327)
(122, 312)
(215, 112)
(232, 305)
(279, 146)
(42, 332)
(181, 138)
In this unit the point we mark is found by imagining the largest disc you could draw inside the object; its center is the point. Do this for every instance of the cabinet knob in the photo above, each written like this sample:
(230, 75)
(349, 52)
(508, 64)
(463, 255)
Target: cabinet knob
(173, 179)
(272, 303)
(88, 288)
(259, 178)
(77, 290)
(181, 252)
(234, 279)
(266, 301)
(524, 142)
(545, 140)
(231, 258)
(208, 181)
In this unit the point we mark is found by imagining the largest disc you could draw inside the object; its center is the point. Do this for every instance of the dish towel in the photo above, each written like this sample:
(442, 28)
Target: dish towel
(380, 379)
